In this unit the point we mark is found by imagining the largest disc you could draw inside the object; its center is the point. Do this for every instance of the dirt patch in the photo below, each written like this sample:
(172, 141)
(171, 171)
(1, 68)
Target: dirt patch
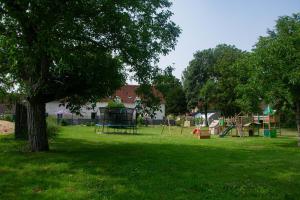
(6, 127)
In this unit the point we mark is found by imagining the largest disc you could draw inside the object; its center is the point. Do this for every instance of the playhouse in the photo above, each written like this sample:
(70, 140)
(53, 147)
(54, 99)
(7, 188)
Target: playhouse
(271, 123)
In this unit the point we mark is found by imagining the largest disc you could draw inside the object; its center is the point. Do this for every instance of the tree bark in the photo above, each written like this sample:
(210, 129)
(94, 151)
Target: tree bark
(205, 113)
(298, 120)
(21, 128)
(37, 132)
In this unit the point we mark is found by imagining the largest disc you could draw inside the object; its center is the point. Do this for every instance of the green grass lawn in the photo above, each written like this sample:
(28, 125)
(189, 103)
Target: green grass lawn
(85, 165)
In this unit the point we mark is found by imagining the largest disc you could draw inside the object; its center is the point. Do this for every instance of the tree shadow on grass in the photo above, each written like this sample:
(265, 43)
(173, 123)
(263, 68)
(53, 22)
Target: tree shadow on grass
(77, 168)
(124, 133)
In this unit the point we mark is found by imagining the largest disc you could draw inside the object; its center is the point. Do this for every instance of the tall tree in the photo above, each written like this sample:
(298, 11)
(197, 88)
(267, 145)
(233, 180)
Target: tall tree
(226, 76)
(77, 51)
(207, 96)
(196, 74)
(217, 66)
(172, 90)
(250, 88)
(278, 56)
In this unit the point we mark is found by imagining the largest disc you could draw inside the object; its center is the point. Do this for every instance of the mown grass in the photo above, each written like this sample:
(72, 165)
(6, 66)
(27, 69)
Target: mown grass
(151, 165)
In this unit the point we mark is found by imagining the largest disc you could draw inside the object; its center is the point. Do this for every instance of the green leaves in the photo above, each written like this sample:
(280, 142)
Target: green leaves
(211, 78)
(172, 90)
(78, 50)
(278, 57)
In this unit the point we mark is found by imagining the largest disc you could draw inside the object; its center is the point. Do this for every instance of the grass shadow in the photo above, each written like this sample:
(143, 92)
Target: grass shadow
(87, 169)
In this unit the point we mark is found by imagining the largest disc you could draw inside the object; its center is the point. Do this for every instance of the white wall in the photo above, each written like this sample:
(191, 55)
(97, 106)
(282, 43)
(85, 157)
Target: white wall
(52, 108)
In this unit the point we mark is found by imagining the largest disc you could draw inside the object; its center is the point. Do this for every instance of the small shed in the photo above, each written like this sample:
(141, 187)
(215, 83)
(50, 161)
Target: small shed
(251, 128)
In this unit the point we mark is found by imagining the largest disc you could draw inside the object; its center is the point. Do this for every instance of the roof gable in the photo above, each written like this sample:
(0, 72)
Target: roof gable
(128, 95)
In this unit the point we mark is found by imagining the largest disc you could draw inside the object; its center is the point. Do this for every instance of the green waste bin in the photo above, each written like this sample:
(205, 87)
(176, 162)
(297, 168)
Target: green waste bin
(270, 133)
(273, 133)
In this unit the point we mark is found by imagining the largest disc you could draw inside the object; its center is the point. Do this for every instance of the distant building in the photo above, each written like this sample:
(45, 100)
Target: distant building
(125, 94)
(211, 116)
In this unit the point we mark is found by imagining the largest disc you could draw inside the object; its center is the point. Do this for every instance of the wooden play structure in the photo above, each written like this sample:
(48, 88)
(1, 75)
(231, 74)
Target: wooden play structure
(244, 126)
(250, 125)
(270, 122)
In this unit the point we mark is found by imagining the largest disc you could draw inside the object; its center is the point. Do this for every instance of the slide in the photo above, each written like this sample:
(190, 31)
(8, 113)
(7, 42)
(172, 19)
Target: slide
(226, 131)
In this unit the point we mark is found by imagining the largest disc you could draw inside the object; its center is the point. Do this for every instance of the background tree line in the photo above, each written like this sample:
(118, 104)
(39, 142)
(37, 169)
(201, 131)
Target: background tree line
(231, 80)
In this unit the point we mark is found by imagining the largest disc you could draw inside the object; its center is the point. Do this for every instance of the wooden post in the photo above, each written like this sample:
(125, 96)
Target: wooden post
(169, 125)
(182, 125)
(162, 129)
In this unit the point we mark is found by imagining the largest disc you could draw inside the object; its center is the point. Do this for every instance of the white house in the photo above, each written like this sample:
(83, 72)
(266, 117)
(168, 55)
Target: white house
(126, 94)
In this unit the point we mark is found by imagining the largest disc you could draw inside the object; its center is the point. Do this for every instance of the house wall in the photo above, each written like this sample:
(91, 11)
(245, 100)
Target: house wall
(52, 108)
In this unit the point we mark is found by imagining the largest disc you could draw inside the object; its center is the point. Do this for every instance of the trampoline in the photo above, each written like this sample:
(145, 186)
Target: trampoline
(117, 120)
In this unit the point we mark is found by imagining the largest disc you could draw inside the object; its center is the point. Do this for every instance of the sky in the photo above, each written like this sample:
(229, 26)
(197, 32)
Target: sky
(207, 23)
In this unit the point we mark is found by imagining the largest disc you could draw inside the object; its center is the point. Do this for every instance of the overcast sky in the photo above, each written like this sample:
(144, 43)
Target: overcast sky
(206, 23)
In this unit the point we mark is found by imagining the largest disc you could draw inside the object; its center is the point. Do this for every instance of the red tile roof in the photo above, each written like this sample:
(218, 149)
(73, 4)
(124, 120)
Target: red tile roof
(128, 95)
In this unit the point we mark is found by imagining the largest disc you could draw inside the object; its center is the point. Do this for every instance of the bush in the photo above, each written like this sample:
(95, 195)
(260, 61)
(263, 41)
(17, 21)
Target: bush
(179, 122)
(113, 104)
(198, 120)
(52, 127)
(140, 121)
(7, 117)
(171, 117)
(63, 122)
(90, 124)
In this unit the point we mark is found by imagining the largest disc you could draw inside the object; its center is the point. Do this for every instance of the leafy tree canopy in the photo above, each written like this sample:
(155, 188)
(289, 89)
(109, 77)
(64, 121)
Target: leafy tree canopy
(213, 68)
(77, 50)
(172, 90)
(278, 58)
(196, 74)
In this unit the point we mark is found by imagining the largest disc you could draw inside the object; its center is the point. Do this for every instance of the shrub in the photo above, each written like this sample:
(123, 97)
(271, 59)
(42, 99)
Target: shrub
(179, 122)
(90, 124)
(140, 121)
(171, 117)
(114, 104)
(52, 127)
(63, 122)
(7, 117)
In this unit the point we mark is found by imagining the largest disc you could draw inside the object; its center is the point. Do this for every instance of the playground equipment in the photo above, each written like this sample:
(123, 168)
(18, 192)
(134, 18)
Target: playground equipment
(202, 133)
(226, 130)
(270, 123)
(117, 120)
(243, 124)
(214, 127)
(226, 125)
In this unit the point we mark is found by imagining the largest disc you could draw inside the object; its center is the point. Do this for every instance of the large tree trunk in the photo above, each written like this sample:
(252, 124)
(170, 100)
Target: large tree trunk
(36, 113)
(205, 113)
(298, 120)
(21, 128)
